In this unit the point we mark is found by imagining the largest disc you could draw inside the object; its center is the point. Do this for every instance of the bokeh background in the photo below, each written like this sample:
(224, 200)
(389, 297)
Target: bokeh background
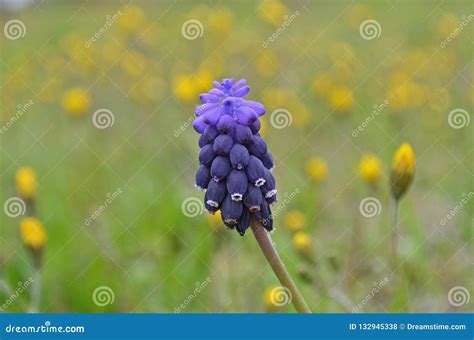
(97, 102)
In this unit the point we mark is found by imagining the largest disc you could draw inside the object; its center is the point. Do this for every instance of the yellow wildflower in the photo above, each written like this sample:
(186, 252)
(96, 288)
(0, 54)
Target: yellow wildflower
(33, 233)
(341, 99)
(76, 101)
(131, 19)
(272, 11)
(370, 168)
(294, 220)
(303, 243)
(317, 169)
(26, 183)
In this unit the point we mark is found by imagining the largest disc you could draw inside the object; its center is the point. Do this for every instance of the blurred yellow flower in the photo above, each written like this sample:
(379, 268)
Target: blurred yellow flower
(303, 243)
(216, 220)
(370, 168)
(131, 19)
(341, 99)
(26, 183)
(33, 233)
(294, 220)
(403, 169)
(323, 85)
(76, 101)
(272, 297)
(220, 21)
(183, 88)
(272, 11)
(317, 169)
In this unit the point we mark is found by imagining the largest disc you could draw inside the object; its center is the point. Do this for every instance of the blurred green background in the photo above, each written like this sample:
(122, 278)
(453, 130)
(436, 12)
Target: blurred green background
(311, 60)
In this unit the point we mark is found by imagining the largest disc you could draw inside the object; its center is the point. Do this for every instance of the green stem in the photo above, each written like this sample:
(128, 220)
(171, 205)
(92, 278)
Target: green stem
(394, 234)
(397, 265)
(35, 291)
(266, 244)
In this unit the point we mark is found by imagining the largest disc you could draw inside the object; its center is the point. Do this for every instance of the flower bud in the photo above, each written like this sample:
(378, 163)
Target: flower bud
(225, 124)
(220, 168)
(215, 193)
(239, 156)
(222, 145)
(237, 184)
(26, 183)
(403, 170)
(256, 171)
(206, 156)
(253, 198)
(203, 176)
(231, 211)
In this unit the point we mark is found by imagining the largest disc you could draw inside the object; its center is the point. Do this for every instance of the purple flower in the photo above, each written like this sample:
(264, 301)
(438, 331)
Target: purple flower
(235, 162)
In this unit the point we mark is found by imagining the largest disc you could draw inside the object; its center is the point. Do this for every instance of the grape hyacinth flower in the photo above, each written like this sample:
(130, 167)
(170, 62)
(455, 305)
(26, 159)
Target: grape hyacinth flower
(236, 169)
(235, 162)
